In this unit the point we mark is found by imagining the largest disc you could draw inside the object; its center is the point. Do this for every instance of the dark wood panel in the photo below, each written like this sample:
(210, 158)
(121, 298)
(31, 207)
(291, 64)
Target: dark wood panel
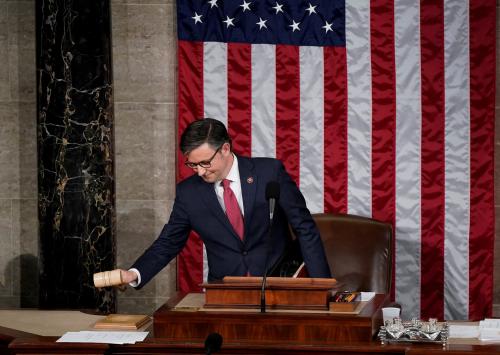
(281, 292)
(7, 335)
(157, 346)
(454, 349)
(161, 346)
(48, 345)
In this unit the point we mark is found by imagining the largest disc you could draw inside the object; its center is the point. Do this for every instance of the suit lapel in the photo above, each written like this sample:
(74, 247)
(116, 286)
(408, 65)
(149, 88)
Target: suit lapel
(207, 192)
(249, 181)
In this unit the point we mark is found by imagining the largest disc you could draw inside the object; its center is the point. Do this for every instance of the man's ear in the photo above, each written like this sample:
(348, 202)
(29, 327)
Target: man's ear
(226, 149)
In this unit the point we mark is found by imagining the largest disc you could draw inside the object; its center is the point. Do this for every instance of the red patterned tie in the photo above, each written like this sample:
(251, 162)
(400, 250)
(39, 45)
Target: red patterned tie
(233, 211)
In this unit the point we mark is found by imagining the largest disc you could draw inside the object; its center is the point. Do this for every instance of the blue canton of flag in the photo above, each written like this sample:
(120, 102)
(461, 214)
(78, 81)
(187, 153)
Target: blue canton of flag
(311, 23)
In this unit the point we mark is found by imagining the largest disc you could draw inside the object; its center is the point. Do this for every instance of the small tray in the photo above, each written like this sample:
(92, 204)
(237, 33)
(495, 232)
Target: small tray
(344, 302)
(344, 306)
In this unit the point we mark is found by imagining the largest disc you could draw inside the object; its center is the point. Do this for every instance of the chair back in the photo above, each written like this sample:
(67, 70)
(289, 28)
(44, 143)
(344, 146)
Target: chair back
(359, 251)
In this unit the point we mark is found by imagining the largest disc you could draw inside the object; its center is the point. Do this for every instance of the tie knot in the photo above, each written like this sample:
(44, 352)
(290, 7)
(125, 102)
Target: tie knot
(225, 183)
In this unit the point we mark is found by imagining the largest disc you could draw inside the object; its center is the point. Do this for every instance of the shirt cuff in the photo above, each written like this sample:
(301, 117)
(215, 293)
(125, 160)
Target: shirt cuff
(138, 281)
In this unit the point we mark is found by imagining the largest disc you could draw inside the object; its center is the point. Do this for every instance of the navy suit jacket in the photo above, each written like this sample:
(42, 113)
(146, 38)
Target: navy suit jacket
(196, 208)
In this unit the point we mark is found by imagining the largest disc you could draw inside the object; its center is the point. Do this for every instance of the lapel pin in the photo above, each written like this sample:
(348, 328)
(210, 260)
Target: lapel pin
(250, 180)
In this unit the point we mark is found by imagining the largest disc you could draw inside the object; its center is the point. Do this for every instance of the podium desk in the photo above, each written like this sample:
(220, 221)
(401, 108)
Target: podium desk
(153, 345)
(19, 341)
(250, 326)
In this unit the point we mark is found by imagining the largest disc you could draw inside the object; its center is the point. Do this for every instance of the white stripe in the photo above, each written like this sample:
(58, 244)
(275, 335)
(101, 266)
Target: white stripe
(359, 111)
(205, 264)
(263, 100)
(408, 147)
(312, 127)
(457, 158)
(215, 81)
(214, 94)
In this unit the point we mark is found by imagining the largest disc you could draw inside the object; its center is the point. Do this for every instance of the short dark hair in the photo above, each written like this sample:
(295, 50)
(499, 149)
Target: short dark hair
(205, 130)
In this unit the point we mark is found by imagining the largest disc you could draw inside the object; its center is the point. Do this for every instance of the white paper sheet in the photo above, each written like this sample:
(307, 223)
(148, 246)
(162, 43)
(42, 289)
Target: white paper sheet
(102, 337)
(366, 296)
(463, 331)
(489, 334)
(490, 323)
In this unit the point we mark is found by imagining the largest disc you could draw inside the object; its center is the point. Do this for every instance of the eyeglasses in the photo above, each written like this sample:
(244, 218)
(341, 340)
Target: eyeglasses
(205, 164)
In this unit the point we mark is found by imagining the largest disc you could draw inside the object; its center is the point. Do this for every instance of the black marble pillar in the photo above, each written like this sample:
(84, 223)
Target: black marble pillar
(75, 152)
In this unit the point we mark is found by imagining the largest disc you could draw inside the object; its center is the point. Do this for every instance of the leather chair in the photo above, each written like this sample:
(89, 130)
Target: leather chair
(359, 251)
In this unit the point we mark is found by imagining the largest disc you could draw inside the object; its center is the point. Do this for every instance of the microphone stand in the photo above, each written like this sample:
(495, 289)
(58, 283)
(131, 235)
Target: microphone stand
(264, 277)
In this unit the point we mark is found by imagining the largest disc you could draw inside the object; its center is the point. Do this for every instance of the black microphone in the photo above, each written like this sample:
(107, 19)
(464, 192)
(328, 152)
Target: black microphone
(213, 343)
(272, 195)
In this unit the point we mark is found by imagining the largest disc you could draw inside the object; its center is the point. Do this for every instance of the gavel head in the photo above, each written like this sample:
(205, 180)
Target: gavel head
(108, 278)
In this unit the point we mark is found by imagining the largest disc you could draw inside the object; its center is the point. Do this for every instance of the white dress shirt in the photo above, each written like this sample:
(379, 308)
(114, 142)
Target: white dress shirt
(235, 185)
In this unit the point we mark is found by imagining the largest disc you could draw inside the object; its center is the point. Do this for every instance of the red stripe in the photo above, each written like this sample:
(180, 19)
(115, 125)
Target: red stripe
(190, 99)
(482, 112)
(383, 115)
(190, 81)
(432, 156)
(335, 130)
(288, 108)
(239, 92)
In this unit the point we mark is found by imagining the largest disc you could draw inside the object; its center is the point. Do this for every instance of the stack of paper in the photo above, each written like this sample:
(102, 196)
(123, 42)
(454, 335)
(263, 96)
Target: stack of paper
(367, 296)
(463, 331)
(490, 323)
(102, 337)
(489, 330)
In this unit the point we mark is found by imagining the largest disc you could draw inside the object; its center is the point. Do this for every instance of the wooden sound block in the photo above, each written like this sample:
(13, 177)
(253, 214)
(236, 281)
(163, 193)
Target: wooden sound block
(122, 321)
(347, 308)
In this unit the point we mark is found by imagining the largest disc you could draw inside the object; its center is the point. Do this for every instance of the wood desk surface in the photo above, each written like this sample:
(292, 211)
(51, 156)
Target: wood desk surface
(47, 323)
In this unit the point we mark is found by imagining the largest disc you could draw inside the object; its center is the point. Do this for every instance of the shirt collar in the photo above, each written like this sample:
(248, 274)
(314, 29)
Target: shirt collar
(234, 173)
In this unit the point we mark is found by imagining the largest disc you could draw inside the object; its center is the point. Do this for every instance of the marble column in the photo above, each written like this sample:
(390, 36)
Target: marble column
(75, 152)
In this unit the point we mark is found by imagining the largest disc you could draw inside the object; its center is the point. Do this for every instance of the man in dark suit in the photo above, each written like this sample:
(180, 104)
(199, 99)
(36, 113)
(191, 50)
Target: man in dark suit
(225, 204)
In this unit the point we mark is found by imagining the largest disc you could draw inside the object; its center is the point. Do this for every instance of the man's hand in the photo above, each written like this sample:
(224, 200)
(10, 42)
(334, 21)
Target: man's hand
(128, 276)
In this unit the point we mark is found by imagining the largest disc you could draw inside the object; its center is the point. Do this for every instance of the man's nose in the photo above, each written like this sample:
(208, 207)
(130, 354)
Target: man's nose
(201, 171)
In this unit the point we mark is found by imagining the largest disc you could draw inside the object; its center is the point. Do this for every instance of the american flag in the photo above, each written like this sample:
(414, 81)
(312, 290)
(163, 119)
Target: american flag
(377, 108)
